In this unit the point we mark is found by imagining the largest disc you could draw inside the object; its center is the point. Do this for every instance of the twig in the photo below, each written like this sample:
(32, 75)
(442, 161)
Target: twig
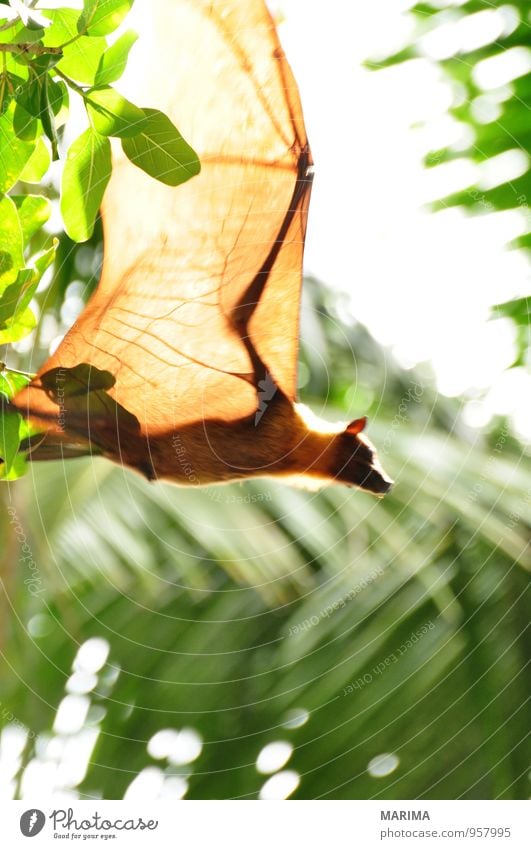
(36, 49)
(70, 82)
(5, 367)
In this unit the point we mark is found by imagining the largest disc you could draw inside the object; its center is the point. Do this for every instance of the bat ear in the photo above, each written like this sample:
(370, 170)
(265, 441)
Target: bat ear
(356, 426)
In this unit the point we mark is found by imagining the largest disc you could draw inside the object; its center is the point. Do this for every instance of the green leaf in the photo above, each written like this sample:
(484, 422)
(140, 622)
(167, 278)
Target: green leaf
(46, 96)
(63, 26)
(20, 34)
(58, 97)
(26, 126)
(519, 310)
(17, 82)
(19, 467)
(11, 243)
(37, 165)
(46, 62)
(160, 150)
(100, 17)
(9, 305)
(114, 60)
(113, 115)
(26, 108)
(41, 98)
(11, 382)
(16, 320)
(61, 117)
(43, 260)
(9, 438)
(15, 300)
(17, 329)
(14, 153)
(27, 428)
(33, 212)
(28, 95)
(14, 67)
(47, 116)
(13, 428)
(85, 176)
(81, 59)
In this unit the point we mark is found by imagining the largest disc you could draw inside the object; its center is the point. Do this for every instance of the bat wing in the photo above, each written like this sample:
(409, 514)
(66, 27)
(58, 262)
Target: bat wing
(200, 290)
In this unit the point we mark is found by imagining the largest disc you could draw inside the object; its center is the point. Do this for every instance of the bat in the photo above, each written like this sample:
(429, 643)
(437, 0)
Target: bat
(183, 364)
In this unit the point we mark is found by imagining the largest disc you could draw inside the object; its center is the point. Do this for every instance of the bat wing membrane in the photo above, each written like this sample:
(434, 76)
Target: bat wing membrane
(200, 287)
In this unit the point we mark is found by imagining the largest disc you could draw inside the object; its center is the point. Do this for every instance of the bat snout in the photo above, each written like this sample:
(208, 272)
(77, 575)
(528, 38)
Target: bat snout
(359, 466)
(376, 481)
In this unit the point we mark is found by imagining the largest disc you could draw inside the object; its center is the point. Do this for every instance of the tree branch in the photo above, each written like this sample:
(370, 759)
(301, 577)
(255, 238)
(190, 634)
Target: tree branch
(35, 49)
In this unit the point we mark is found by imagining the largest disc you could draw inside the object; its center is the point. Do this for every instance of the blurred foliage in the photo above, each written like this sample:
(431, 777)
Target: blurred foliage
(498, 116)
(234, 610)
(519, 311)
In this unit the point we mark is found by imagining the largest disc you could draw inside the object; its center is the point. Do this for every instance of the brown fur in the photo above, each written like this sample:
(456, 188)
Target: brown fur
(282, 445)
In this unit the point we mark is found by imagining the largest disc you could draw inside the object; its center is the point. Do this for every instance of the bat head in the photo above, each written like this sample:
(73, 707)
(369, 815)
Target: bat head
(338, 454)
(356, 461)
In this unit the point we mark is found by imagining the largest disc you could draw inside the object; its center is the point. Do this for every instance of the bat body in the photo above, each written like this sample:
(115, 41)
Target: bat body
(183, 364)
